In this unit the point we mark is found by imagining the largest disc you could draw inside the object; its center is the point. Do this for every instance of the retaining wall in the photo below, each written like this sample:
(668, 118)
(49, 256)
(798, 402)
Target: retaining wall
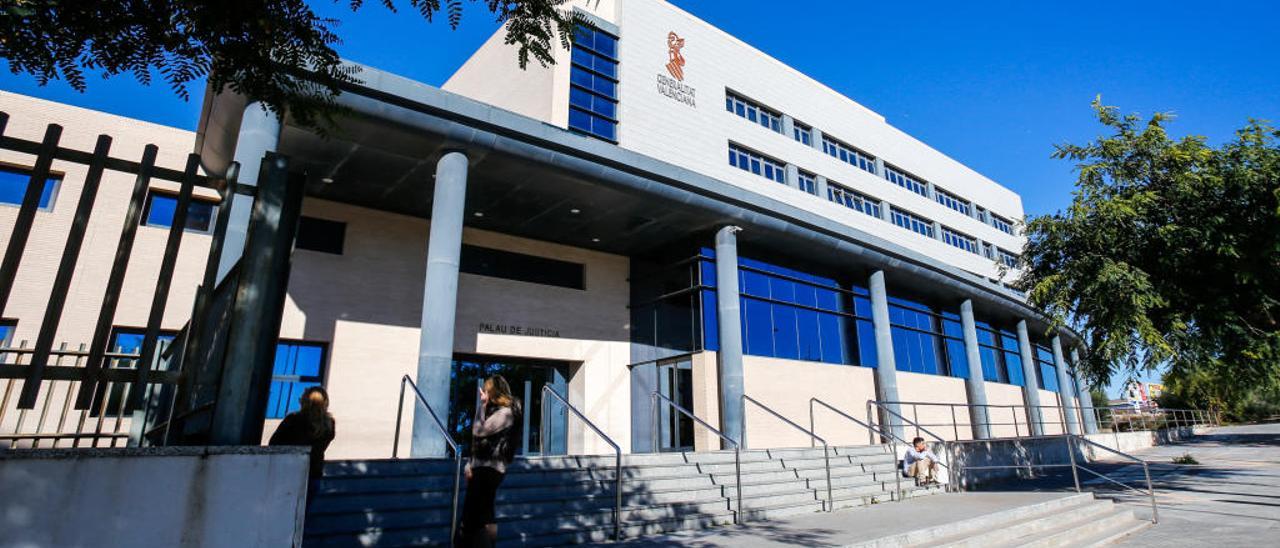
(168, 496)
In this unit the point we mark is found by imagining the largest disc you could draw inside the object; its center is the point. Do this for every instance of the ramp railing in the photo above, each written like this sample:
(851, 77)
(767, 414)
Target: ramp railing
(872, 431)
(1076, 466)
(826, 448)
(891, 434)
(444, 432)
(737, 449)
(617, 463)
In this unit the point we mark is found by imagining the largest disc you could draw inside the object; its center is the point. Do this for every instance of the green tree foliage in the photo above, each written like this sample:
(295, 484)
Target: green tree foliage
(1168, 255)
(255, 48)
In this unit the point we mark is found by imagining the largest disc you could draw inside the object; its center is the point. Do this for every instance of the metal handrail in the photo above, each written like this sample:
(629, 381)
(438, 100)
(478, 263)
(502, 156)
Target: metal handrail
(457, 452)
(871, 430)
(1155, 516)
(826, 448)
(737, 449)
(951, 475)
(617, 449)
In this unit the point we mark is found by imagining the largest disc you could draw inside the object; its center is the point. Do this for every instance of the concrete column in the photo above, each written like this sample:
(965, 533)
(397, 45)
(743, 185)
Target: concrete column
(817, 138)
(886, 368)
(975, 385)
(259, 134)
(879, 166)
(1065, 391)
(1086, 398)
(788, 126)
(792, 176)
(1031, 390)
(820, 186)
(439, 303)
(729, 314)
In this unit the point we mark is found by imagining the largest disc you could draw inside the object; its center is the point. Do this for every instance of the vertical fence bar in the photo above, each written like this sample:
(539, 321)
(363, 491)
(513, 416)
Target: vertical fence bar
(27, 214)
(66, 398)
(67, 266)
(955, 428)
(18, 245)
(48, 399)
(111, 298)
(164, 281)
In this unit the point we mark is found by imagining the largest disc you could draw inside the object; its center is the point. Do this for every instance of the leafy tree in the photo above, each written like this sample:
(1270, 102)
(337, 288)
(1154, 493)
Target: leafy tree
(1169, 254)
(255, 48)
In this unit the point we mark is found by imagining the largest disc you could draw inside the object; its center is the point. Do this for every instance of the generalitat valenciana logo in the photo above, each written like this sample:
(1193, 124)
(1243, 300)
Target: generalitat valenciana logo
(675, 65)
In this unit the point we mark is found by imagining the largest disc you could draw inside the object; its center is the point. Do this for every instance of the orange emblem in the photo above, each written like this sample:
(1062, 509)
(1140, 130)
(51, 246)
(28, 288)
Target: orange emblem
(676, 63)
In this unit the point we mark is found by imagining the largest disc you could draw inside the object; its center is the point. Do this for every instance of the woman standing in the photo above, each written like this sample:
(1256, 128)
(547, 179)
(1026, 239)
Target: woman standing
(311, 426)
(495, 436)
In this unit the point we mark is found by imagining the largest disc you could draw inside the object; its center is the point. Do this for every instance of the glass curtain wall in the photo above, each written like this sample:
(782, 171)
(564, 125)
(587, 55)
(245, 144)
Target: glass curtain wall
(926, 340)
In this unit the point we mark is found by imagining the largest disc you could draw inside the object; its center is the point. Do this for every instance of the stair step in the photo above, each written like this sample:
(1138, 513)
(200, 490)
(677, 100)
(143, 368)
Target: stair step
(1029, 527)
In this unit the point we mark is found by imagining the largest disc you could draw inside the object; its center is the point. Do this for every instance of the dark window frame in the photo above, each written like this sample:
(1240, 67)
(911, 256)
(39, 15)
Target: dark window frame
(213, 204)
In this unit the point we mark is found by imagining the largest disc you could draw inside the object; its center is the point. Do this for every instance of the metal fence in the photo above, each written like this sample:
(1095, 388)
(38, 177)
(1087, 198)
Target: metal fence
(1005, 421)
(80, 393)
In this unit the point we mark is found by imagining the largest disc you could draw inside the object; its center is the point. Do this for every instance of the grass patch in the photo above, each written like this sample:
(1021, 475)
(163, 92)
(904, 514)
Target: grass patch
(1186, 458)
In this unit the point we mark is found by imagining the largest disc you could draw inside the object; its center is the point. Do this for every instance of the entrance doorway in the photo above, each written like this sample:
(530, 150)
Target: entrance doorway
(526, 377)
(675, 429)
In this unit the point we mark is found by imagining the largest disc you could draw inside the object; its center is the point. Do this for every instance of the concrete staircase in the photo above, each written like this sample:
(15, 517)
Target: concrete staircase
(1076, 520)
(565, 500)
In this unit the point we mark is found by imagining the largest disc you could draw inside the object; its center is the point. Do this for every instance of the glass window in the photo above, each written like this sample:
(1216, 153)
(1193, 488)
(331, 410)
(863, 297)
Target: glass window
(754, 162)
(1008, 258)
(795, 315)
(13, 187)
(952, 201)
(297, 366)
(1012, 357)
(497, 263)
(808, 182)
(853, 199)
(1046, 368)
(1001, 223)
(962, 241)
(752, 111)
(593, 78)
(321, 235)
(993, 366)
(803, 133)
(848, 154)
(925, 341)
(912, 222)
(160, 208)
(909, 182)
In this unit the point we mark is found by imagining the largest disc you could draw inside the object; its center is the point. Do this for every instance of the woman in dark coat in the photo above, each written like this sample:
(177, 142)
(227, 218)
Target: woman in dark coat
(311, 426)
(495, 434)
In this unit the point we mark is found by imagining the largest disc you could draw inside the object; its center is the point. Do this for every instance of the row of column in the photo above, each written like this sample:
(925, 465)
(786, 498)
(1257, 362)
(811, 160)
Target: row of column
(1070, 384)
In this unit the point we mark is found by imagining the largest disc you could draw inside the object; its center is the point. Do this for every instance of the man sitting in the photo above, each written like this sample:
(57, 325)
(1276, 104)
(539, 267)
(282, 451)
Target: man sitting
(920, 463)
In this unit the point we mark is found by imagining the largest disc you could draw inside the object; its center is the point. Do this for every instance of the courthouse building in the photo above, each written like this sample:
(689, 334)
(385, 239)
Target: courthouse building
(665, 209)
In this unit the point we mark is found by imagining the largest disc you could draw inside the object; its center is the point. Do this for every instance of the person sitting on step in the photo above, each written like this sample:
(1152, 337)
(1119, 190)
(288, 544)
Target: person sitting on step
(920, 463)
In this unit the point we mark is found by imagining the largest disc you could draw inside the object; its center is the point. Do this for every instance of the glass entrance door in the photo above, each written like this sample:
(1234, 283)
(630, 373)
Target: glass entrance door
(675, 429)
(526, 377)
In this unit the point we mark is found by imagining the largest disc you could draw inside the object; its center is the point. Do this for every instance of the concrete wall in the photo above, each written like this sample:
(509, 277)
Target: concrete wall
(81, 127)
(786, 386)
(1007, 422)
(188, 497)
(947, 422)
(1052, 417)
(493, 75)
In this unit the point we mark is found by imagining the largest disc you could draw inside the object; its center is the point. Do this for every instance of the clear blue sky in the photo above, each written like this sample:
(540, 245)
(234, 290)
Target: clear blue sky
(993, 84)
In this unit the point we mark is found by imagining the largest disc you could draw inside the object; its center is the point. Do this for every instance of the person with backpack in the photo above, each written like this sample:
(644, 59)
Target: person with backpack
(495, 437)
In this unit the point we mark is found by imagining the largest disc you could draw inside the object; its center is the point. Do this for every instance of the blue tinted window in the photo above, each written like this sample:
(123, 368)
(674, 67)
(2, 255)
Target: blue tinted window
(1046, 368)
(793, 315)
(1012, 358)
(13, 186)
(593, 75)
(900, 178)
(109, 398)
(912, 222)
(926, 341)
(161, 207)
(756, 163)
(297, 367)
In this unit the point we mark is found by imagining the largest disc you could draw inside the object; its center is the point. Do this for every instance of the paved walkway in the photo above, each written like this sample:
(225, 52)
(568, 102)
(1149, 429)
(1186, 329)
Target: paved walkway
(853, 525)
(1232, 498)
